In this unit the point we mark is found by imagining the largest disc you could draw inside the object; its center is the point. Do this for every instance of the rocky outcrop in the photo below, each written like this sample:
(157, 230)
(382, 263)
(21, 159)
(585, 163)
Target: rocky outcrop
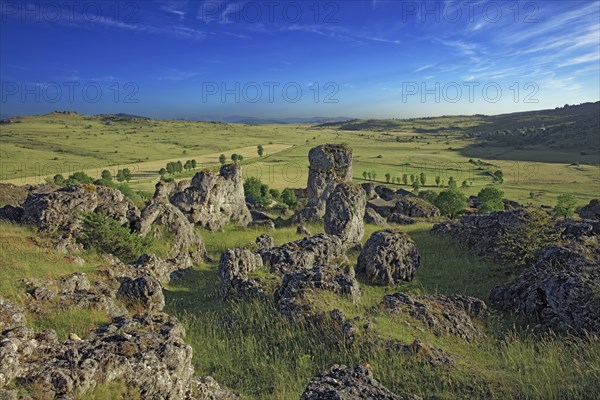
(235, 266)
(330, 164)
(149, 265)
(58, 209)
(265, 242)
(206, 388)
(347, 383)
(415, 207)
(344, 214)
(400, 219)
(290, 296)
(11, 316)
(369, 189)
(443, 315)
(381, 206)
(389, 257)
(304, 254)
(146, 352)
(213, 201)
(187, 240)
(302, 231)
(373, 218)
(164, 190)
(145, 292)
(560, 291)
(11, 213)
(591, 210)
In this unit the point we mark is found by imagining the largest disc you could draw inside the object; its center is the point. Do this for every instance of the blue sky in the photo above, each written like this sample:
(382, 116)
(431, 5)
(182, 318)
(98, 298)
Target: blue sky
(367, 59)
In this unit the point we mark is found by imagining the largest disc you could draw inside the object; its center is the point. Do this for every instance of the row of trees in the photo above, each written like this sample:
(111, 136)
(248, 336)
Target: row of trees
(177, 167)
(452, 202)
(234, 157)
(262, 195)
(417, 181)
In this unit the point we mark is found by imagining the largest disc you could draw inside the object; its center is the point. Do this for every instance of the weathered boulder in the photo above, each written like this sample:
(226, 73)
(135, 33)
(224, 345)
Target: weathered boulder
(330, 164)
(347, 383)
(369, 188)
(164, 190)
(344, 214)
(289, 296)
(146, 352)
(389, 257)
(400, 219)
(416, 207)
(418, 348)
(381, 206)
(235, 266)
(187, 240)
(11, 194)
(302, 231)
(559, 291)
(11, 316)
(213, 201)
(373, 218)
(149, 265)
(58, 209)
(265, 242)
(591, 210)
(443, 315)
(385, 192)
(304, 253)
(11, 213)
(143, 291)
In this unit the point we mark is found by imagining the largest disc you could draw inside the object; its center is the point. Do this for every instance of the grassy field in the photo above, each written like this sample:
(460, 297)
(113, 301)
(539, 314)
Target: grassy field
(40, 146)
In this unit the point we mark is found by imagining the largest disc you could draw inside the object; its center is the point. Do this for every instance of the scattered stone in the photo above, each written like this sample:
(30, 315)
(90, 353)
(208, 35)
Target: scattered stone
(441, 314)
(344, 213)
(265, 242)
(373, 218)
(382, 207)
(389, 257)
(434, 355)
(289, 297)
(74, 337)
(143, 291)
(591, 210)
(11, 316)
(303, 231)
(213, 201)
(330, 164)
(304, 254)
(385, 192)
(235, 266)
(150, 265)
(347, 383)
(369, 188)
(560, 291)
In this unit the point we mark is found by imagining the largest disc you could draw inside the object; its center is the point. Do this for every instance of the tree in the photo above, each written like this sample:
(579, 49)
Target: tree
(275, 194)
(416, 185)
(490, 199)
(388, 176)
(365, 174)
(428, 195)
(234, 157)
(374, 175)
(162, 172)
(412, 178)
(106, 175)
(171, 168)
(222, 159)
(423, 178)
(120, 175)
(451, 202)
(240, 158)
(565, 205)
(405, 179)
(498, 176)
(398, 180)
(288, 197)
(193, 164)
(438, 180)
(187, 165)
(58, 179)
(260, 150)
(465, 184)
(179, 167)
(452, 183)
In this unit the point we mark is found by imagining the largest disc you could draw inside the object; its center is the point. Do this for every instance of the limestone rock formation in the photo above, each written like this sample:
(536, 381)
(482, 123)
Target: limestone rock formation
(591, 210)
(187, 240)
(209, 389)
(143, 291)
(389, 257)
(290, 295)
(347, 383)
(304, 254)
(149, 265)
(560, 291)
(302, 231)
(373, 218)
(330, 164)
(443, 315)
(235, 266)
(213, 201)
(11, 213)
(416, 207)
(58, 209)
(344, 214)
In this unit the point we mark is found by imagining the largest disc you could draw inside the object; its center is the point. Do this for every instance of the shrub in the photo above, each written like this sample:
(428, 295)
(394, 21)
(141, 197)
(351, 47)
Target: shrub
(490, 199)
(59, 179)
(106, 235)
(288, 197)
(565, 205)
(428, 195)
